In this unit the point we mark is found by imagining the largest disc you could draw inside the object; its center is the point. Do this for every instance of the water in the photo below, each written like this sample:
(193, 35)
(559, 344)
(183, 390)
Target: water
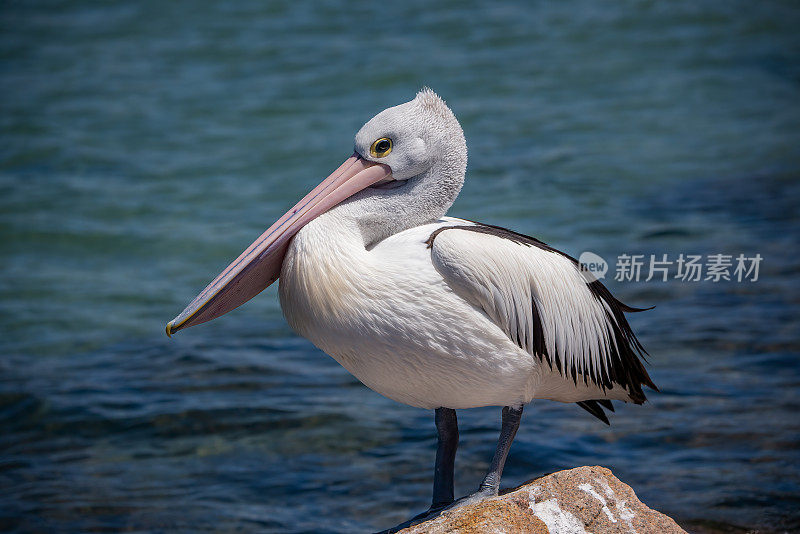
(144, 145)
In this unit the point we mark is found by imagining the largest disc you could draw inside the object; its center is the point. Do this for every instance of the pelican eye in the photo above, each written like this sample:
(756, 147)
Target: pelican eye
(381, 148)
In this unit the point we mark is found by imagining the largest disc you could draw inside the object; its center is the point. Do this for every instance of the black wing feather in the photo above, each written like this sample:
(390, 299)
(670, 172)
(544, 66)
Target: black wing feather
(596, 410)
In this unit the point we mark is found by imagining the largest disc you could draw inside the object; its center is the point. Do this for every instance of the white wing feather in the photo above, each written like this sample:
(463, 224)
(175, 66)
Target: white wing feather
(517, 285)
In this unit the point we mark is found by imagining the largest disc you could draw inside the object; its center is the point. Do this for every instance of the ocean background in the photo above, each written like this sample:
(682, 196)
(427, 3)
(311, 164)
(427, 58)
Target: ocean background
(143, 145)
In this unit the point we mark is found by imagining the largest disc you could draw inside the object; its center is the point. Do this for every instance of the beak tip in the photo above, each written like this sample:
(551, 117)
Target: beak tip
(169, 329)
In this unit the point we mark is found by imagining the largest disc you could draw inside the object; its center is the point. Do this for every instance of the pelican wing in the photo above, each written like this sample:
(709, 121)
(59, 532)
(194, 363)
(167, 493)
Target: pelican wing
(541, 300)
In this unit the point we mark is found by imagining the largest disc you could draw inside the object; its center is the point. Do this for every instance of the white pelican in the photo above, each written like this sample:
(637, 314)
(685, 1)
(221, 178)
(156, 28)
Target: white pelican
(433, 311)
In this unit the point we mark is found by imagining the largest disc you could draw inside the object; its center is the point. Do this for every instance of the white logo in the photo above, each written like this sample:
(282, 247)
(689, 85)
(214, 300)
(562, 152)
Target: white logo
(592, 266)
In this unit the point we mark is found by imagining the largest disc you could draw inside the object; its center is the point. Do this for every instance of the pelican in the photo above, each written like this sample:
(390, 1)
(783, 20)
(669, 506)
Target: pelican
(433, 311)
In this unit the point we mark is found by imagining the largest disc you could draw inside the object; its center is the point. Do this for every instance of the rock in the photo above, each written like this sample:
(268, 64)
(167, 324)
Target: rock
(576, 501)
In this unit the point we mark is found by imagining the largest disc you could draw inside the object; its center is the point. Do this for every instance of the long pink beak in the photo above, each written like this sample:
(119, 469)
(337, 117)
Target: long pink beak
(260, 265)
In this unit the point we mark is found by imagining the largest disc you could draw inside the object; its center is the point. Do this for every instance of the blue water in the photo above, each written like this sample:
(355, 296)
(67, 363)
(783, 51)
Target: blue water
(144, 145)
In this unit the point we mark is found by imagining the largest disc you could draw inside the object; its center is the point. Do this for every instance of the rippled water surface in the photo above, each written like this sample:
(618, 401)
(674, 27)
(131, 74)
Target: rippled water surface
(144, 145)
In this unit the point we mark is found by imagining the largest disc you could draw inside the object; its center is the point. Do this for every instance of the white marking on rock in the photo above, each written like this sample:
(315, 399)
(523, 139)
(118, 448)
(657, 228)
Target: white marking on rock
(606, 488)
(625, 513)
(556, 519)
(590, 490)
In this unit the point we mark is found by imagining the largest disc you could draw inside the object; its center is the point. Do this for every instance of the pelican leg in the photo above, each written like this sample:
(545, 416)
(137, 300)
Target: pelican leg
(491, 482)
(447, 431)
(490, 486)
(447, 428)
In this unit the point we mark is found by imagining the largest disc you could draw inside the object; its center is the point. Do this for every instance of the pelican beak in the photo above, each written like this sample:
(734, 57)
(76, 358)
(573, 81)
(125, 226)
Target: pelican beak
(260, 265)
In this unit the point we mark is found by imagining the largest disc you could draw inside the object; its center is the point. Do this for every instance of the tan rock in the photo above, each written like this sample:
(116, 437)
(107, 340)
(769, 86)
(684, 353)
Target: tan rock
(576, 501)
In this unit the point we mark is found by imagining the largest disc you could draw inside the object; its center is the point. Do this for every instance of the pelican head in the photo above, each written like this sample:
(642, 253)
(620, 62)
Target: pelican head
(412, 137)
(407, 169)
